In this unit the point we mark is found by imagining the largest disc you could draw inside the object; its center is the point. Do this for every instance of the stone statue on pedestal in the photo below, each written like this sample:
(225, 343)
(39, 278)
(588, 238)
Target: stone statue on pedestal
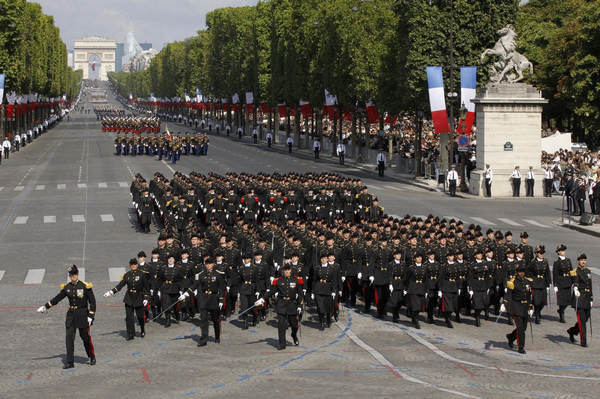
(511, 65)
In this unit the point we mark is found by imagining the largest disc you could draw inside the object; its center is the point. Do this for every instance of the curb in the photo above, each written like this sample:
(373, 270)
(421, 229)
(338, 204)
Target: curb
(579, 228)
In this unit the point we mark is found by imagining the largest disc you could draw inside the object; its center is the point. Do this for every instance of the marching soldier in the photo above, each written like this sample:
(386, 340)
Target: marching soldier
(146, 209)
(248, 289)
(170, 276)
(539, 271)
(324, 290)
(561, 279)
(209, 289)
(416, 288)
(449, 288)
(288, 298)
(519, 306)
(135, 299)
(479, 286)
(397, 288)
(582, 299)
(431, 285)
(80, 316)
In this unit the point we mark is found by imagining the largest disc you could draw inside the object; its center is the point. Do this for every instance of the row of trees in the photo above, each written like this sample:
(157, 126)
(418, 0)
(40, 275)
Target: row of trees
(32, 54)
(377, 50)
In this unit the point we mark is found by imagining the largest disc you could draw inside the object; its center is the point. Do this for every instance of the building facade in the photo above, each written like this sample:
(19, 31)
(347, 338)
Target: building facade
(95, 56)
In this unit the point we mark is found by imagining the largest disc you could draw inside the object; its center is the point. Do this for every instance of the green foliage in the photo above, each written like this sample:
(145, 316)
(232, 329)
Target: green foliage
(32, 55)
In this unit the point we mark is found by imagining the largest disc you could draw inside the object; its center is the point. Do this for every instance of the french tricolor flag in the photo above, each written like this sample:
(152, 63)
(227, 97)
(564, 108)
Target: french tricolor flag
(437, 100)
(468, 85)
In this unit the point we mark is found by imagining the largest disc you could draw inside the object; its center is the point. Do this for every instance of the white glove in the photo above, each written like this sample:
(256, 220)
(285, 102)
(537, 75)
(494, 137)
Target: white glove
(555, 290)
(440, 294)
(333, 295)
(145, 302)
(276, 294)
(576, 291)
(180, 293)
(471, 294)
(159, 294)
(220, 305)
(591, 304)
(343, 279)
(371, 279)
(340, 294)
(505, 290)
(271, 279)
(276, 265)
(90, 321)
(299, 310)
(151, 292)
(42, 309)
(458, 292)
(257, 294)
(405, 292)
(530, 312)
(259, 302)
(312, 296)
(391, 287)
(227, 288)
(502, 308)
(303, 292)
(359, 275)
(107, 294)
(547, 289)
(183, 296)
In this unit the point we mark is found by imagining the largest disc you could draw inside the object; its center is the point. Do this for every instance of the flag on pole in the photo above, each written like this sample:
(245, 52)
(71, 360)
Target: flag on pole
(468, 85)
(235, 99)
(437, 101)
(2, 78)
(250, 102)
(305, 109)
(372, 113)
(198, 95)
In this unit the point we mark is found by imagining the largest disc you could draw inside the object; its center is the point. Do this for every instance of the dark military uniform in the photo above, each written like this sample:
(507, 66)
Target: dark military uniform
(287, 293)
(480, 284)
(416, 289)
(209, 287)
(138, 290)
(325, 283)
(518, 306)
(82, 305)
(171, 277)
(539, 272)
(561, 279)
(582, 279)
(397, 298)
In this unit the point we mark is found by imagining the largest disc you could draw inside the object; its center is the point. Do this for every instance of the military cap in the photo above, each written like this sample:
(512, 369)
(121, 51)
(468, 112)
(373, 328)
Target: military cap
(141, 254)
(582, 256)
(73, 270)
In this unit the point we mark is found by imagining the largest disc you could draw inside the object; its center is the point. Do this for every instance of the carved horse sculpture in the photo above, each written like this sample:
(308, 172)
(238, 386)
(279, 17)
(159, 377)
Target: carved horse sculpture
(510, 59)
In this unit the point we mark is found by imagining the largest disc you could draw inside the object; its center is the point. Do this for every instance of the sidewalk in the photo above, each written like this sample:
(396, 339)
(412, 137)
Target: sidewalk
(593, 230)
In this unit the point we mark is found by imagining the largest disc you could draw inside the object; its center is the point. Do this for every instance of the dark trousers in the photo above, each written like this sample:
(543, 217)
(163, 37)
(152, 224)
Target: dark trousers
(519, 332)
(351, 287)
(592, 204)
(529, 187)
(168, 300)
(84, 333)
(283, 320)
(380, 168)
(516, 183)
(6, 152)
(290, 147)
(452, 187)
(382, 294)
(341, 155)
(269, 143)
(367, 293)
(548, 187)
(245, 302)
(324, 307)
(579, 328)
(316, 154)
(488, 187)
(231, 300)
(130, 321)
(214, 316)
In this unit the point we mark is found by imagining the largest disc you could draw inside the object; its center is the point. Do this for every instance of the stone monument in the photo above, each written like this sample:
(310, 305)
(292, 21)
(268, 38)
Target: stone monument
(509, 122)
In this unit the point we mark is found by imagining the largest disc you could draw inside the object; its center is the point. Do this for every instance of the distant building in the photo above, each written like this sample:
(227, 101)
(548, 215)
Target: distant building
(70, 59)
(146, 46)
(119, 53)
(136, 56)
(95, 56)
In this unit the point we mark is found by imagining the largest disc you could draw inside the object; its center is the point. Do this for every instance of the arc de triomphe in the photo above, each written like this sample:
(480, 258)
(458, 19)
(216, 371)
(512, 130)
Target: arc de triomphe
(95, 56)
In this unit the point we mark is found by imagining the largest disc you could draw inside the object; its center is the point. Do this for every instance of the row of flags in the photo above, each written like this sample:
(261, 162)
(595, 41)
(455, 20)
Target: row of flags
(437, 99)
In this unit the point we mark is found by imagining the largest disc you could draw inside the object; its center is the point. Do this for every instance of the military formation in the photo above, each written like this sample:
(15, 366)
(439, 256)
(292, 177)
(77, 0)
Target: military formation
(288, 243)
(163, 145)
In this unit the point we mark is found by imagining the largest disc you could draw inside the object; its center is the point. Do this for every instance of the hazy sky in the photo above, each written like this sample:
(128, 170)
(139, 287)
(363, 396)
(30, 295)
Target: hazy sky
(155, 21)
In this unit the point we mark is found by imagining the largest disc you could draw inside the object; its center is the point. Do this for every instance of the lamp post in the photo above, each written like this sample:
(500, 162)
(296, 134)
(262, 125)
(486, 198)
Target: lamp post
(463, 156)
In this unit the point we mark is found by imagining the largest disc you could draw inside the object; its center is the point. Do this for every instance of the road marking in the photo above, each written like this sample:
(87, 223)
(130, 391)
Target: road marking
(414, 188)
(168, 166)
(482, 221)
(102, 185)
(394, 188)
(34, 276)
(61, 186)
(19, 188)
(510, 222)
(78, 218)
(1, 274)
(21, 219)
(40, 187)
(82, 185)
(375, 187)
(81, 271)
(388, 365)
(533, 222)
(107, 218)
(49, 219)
(123, 184)
(115, 273)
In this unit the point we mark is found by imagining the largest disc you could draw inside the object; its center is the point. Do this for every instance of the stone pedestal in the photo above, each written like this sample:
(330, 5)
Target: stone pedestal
(509, 123)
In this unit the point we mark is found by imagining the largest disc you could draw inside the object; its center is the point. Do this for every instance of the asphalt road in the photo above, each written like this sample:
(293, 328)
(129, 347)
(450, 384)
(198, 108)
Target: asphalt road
(65, 199)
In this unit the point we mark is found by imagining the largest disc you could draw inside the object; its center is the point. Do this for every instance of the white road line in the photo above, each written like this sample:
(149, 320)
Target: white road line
(102, 185)
(81, 271)
(49, 219)
(34, 276)
(451, 358)
(1, 274)
(40, 187)
(374, 187)
(61, 186)
(21, 219)
(387, 364)
(538, 224)
(78, 218)
(169, 166)
(509, 222)
(482, 221)
(412, 188)
(115, 273)
(394, 188)
(19, 188)
(123, 184)
(82, 185)
(107, 218)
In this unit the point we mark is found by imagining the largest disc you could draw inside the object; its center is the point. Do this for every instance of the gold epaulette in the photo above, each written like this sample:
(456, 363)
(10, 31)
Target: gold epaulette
(510, 284)
(573, 272)
(87, 285)
(122, 275)
(62, 285)
(529, 278)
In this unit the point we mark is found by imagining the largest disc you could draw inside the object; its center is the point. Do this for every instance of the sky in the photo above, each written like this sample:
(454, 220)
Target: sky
(155, 21)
